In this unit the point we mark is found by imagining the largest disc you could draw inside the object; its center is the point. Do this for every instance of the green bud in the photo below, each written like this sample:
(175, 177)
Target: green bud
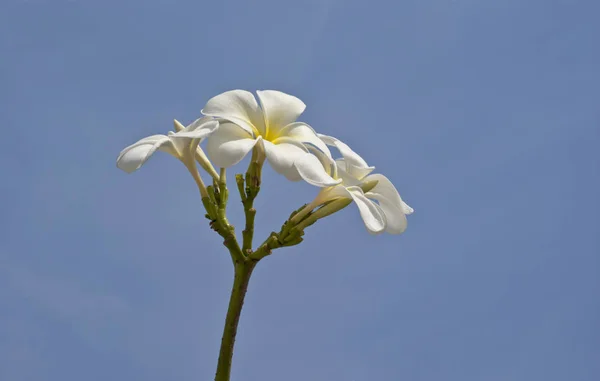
(210, 208)
(211, 193)
(332, 207)
(296, 211)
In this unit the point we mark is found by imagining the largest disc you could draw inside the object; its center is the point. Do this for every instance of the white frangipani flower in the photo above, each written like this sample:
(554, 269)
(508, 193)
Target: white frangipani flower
(182, 145)
(381, 207)
(272, 126)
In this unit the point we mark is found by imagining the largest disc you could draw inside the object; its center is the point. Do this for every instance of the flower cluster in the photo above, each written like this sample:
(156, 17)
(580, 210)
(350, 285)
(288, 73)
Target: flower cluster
(234, 124)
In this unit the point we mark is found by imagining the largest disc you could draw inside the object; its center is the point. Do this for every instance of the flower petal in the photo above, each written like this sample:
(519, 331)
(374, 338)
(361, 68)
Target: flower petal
(304, 133)
(406, 208)
(198, 129)
(356, 165)
(391, 203)
(326, 161)
(229, 144)
(186, 141)
(135, 155)
(282, 156)
(371, 213)
(312, 171)
(342, 173)
(395, 218)
(280, 109)
(386, 189)
(239, 107)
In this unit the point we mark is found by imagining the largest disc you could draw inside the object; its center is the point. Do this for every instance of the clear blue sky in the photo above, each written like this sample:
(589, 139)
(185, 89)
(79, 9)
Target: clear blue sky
(485, 114)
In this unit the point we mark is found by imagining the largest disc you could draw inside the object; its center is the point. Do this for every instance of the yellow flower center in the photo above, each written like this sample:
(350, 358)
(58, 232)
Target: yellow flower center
(271, 134)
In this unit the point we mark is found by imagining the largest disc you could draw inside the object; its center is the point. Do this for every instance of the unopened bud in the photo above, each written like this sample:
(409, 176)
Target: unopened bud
(330, 208)
(178, 126)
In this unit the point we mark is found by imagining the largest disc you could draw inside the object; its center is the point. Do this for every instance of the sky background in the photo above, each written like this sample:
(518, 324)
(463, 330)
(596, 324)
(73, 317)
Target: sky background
(485, 114)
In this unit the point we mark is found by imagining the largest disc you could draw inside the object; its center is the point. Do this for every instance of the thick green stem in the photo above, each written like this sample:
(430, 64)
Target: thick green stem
(243, 271)
(248, 232)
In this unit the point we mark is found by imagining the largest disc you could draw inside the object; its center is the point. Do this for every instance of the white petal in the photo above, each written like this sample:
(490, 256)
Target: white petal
(327, 162)
(280, 109)
(134, 156)
(312, 171)
(386, 189)
(356, 165)
(371, 213)
(395, 218)
(342, 173)
(305, 134)
(282, 157)
(391, 203)
(198, 129)
(239, 107)
(186, 141)
(359, 172)
(229, 144)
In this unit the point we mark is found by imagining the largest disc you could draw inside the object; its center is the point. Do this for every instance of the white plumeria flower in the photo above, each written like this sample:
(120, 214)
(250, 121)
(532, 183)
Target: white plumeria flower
(181, 145)
(272, 126)
(381, 207)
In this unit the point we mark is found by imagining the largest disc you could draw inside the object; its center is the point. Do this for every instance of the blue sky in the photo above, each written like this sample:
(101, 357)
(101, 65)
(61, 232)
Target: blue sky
(483, 113)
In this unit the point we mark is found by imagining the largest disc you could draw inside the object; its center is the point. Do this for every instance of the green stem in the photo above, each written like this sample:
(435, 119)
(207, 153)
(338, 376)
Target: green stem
(248, 232)
(253, 177)
(243, 271)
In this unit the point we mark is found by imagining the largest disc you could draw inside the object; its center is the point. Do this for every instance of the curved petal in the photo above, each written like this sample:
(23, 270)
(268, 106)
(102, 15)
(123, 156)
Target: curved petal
(385, 189)
(135, 155)
(239, 107)
(292, 141)
(305, 134)
(371, 213)
(342, 173)
(395, 218)
(326, 161)
(186, 141)
(356, 165)
(282, 157)
(280, 109)
(292, 174)
(359, 172)
(391, 203)
(407, 209)
(311, 170)
(198, 129)
(229, 144)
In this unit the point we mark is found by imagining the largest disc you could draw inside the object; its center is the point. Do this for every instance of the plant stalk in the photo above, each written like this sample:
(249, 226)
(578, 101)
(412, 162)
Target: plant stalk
(243, 271)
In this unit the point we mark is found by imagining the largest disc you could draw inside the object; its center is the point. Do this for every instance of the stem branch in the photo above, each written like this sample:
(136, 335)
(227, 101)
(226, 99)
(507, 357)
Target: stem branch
(248, 194)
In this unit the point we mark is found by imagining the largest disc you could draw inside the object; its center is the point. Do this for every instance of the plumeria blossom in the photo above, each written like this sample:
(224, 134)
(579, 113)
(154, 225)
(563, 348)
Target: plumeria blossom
(181, 144)
(380, 207)
(235, 123)
(272, 128)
